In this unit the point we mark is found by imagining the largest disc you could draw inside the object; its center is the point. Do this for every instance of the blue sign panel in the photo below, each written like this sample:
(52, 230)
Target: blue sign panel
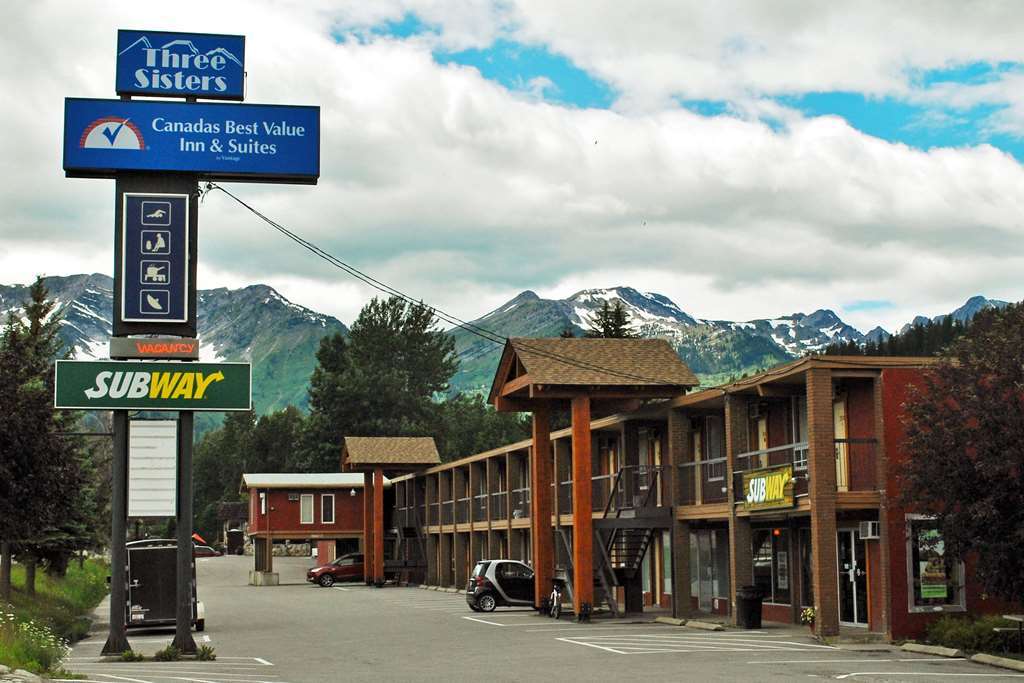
(154, 260)
(218, 141)
(180, 65)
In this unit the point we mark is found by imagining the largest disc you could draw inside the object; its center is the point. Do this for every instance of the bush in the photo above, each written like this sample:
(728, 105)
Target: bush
(132, 656)
(168, 654)
(965, 633)
(29, 645)
(205, 653)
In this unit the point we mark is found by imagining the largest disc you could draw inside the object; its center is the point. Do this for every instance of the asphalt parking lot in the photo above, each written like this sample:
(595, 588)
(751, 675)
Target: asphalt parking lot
(299, 632)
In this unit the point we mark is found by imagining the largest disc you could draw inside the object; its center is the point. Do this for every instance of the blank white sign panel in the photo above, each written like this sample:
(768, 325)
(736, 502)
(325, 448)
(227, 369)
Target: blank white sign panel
(152, 468)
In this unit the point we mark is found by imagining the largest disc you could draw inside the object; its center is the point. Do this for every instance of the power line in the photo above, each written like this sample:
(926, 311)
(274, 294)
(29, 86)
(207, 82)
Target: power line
(481, 332)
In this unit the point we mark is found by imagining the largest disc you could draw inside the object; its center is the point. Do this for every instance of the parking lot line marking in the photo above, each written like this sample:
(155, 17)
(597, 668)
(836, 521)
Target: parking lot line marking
(925, 673)
(934, 660)
(484, 621)
(168, 671)
(339, 588)
(122, 678)
(596, 647)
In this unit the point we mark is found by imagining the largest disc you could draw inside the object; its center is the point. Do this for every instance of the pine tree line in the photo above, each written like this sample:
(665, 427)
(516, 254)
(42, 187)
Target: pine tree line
(928, 339)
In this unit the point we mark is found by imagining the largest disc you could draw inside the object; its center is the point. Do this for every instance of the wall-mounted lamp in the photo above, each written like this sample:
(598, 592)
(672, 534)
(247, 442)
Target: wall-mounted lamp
(352, 492)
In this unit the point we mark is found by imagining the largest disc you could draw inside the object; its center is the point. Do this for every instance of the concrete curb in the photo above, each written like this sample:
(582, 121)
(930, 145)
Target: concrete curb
(704, 626)
(931, 650)
(671, 621)
(452, 590)
(1002, 662)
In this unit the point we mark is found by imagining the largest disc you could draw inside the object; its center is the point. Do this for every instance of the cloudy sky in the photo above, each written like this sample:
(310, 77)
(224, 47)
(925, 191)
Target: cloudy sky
(746, 159)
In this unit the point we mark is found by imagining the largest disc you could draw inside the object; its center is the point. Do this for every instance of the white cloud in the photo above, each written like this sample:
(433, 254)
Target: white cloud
(460, 192)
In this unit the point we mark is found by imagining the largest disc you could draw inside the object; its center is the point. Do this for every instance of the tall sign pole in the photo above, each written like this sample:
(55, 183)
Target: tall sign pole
(158, 152)
(117, 638)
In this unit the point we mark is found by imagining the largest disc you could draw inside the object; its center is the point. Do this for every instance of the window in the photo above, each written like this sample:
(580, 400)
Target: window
(327, 508)
(771, 564)
(263, 503)
(306, 509)
(714, 448)
(666, 562)
(514, 570)
(934, 575)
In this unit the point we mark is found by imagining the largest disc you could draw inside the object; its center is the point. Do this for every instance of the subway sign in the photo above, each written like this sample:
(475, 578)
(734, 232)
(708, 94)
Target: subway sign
(215, 140)
(768, 488)
(180, 65)
(136, 385)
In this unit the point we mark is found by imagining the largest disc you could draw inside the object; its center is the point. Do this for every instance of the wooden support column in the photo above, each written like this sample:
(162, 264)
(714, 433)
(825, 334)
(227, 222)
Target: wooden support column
(541, 539)
(367, 527)
(378, 527)
(821, 468)
(582, 527)
(741, 561)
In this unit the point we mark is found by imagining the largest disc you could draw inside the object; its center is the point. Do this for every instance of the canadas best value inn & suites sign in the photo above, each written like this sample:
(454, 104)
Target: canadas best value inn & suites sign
(215, 140)
(155, 385)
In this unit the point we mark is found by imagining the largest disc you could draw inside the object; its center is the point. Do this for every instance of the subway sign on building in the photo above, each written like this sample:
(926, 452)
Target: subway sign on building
(768, 488)
(166, 64)
(158, 385)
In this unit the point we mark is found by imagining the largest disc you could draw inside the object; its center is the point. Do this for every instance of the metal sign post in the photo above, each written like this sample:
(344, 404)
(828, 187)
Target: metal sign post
(158, 151)
(183, 623)
(117, 638)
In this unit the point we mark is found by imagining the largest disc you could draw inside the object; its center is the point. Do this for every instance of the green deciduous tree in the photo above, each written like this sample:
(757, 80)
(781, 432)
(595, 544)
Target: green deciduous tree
(467, 425)
(382, 381)
(965, 443)
(610, 322)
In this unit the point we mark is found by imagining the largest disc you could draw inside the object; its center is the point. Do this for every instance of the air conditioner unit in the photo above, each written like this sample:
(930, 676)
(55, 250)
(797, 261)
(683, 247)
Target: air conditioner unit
(870, 530)
(293, 497)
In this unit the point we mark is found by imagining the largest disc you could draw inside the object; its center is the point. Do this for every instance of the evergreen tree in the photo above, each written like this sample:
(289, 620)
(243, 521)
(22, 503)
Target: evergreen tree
(467, 425)
(610, 322)
(43, 493)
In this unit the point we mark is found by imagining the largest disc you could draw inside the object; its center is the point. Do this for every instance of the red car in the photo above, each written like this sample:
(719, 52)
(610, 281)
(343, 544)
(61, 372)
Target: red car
(345, 568)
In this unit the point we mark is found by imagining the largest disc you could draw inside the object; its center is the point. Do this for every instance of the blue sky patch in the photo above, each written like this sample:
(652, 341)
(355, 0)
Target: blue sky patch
(515, 65)
(408, 26)
(868, 305)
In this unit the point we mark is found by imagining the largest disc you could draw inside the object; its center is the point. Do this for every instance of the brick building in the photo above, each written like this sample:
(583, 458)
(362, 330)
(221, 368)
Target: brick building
(324, 510)
(785, 480)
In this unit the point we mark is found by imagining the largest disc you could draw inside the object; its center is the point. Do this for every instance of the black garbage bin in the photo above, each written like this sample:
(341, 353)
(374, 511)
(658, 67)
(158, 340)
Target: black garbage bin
(748, 606)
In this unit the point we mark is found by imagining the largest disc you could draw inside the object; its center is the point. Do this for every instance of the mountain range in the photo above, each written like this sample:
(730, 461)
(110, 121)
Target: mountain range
(280, 338)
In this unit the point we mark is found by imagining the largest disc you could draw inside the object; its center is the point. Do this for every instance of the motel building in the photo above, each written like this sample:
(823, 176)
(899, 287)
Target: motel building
(662, 497)
(323, 510)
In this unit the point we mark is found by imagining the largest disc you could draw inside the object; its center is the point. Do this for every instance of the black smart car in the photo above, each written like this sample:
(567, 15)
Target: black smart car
(503, 583)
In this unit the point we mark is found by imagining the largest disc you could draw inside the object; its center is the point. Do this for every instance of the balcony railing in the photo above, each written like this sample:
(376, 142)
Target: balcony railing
(855, 465)
(565, 497)
(462, 511)
(631, 487)
(702, 482)
(447, 511)
(480, 508)
(794, 454)
(433, 514)
(499, 508)
(520, 502)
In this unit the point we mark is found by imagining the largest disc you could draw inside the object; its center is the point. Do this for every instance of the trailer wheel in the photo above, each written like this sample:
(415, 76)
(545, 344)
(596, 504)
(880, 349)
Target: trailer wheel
(200, 625)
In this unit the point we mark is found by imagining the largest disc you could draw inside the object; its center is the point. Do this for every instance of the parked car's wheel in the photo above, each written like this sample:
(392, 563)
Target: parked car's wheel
(326, 580)
(474, 608)
(486, 602)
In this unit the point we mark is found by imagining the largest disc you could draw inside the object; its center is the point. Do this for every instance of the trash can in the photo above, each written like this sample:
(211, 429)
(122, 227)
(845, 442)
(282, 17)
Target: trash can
(748, 607)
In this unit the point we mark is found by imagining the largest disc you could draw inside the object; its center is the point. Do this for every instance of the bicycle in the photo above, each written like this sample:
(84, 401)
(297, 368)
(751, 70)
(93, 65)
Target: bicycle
(555, 601)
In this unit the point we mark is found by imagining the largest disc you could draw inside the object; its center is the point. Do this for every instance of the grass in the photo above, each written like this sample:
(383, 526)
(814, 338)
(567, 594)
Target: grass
(35, 630)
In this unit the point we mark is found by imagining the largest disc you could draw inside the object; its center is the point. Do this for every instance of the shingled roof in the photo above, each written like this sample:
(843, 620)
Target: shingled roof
(595, 362)
(391, 450)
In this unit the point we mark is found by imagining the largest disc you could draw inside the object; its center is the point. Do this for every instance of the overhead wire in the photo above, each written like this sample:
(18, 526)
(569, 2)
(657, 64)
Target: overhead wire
(469, 327)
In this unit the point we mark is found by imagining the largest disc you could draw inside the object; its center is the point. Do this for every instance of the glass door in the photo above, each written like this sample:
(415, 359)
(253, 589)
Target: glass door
(706, 569)
(853, 579)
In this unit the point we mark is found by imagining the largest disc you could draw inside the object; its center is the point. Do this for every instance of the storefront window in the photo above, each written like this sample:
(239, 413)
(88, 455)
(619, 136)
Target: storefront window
(934, 575)
(771, 564)
(666, 562)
